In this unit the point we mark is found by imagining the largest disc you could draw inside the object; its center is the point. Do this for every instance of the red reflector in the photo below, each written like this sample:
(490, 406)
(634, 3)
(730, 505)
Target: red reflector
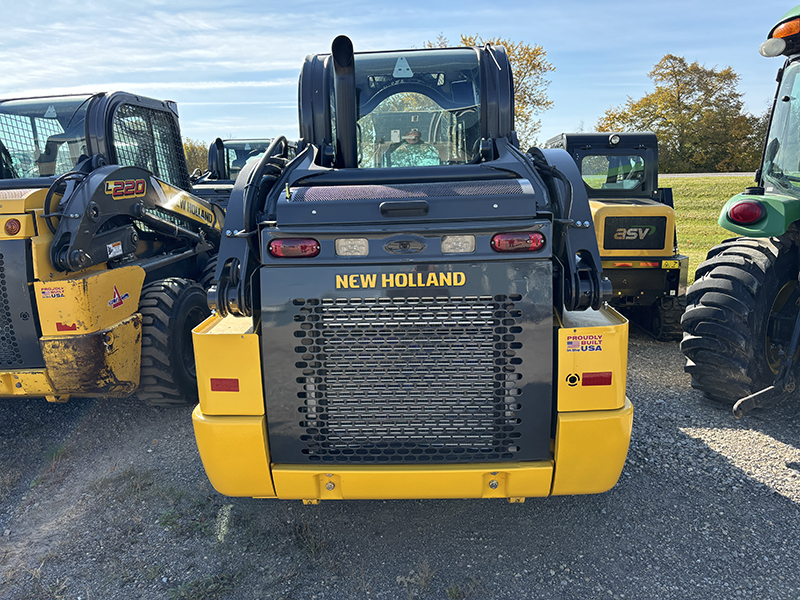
(294, 248)
(648, 264)
(13, 227)
(224, 385)
(517, 242)
(601, 378)
(746, 212)
(623, 264)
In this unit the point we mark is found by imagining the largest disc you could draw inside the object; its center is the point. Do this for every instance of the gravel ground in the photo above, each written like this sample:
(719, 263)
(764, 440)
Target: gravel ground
(108, 499)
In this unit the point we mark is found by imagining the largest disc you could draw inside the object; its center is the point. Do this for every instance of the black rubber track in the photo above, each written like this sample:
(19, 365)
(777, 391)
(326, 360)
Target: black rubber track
(727, 313)
(665, 319)
(170, 309)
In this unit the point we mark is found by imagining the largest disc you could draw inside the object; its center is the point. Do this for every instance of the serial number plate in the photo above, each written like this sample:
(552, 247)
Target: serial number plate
(671, 264)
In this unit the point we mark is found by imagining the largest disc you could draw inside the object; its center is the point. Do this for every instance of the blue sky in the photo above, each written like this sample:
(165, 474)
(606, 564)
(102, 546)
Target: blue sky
(233, 66)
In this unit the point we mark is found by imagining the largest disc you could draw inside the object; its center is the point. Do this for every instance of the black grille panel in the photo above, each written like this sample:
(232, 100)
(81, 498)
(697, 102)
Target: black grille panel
(9, 348)
(409, 379)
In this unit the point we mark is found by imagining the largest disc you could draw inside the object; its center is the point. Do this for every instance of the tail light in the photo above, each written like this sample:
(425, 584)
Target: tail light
(747, 212)
(293, 248)
(518, 242)
(13, 227)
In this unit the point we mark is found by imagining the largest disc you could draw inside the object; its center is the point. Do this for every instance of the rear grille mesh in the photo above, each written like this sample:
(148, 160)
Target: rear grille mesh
(409, 379)
(9, 348)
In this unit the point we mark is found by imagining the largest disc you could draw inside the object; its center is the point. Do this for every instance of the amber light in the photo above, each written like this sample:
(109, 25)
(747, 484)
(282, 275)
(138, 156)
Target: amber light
(746, 212)
(293, 248)
(786, 29)
(517, 242)
(13, 227)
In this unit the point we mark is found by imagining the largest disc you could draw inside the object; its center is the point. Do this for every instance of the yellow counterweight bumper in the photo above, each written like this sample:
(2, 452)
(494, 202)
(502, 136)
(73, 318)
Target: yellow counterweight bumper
(592, 433)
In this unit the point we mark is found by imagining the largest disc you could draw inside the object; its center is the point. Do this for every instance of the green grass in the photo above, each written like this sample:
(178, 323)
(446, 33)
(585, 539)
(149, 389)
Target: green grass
(698, 201)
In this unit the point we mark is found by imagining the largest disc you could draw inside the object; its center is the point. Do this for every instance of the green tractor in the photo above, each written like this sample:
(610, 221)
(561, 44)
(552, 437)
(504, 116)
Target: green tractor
(742, 322)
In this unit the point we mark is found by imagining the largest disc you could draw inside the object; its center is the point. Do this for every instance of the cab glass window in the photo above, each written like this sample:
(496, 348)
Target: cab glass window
(413, 112)
(612, 172)
(240, 152)
(42, 137)
(781, 170)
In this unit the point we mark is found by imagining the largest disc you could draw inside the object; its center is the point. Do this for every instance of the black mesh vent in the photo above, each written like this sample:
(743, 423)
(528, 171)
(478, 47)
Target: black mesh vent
(407, 190)
(150, 139)
(9, 349)
(409, 379)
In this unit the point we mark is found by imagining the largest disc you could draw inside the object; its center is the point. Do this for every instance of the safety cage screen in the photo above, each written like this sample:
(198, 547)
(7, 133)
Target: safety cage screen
(149, 139)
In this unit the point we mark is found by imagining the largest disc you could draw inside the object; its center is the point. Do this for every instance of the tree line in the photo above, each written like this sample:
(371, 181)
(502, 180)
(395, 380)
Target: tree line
(696, 112)
(698, 115)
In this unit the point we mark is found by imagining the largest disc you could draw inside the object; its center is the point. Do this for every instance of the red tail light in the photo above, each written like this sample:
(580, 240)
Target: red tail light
(294, 248)
(518, 242)
(747, 212)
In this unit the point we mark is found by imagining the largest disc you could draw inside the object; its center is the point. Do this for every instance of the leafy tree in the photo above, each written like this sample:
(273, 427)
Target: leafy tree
(697, 114)
(196, 154)
(529, 67)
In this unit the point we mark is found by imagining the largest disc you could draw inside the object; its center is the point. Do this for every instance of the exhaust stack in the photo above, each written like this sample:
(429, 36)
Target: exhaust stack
(344, 91)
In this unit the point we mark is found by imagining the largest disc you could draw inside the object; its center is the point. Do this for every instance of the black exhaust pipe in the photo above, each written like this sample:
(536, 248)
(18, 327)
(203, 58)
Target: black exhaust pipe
(344, 93)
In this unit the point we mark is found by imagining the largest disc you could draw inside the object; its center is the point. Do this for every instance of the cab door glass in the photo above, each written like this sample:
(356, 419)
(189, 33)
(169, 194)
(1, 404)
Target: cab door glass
(612, 172)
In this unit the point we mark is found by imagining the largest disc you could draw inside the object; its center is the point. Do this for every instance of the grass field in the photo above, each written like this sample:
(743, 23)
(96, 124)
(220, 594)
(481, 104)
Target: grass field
(698, 201)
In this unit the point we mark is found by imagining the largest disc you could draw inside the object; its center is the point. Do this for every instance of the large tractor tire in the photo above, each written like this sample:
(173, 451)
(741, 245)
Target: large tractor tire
(170, 309)
(737, 289)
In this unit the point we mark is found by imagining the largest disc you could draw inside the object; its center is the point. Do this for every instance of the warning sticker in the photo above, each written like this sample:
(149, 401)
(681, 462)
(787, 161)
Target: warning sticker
(114, 249)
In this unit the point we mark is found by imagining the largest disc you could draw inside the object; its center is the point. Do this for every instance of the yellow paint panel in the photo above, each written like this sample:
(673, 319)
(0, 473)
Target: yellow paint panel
(103, 363)
(22, 200)
(641, 208)
(25, 383)
(194, 208)
(228, 366)
(352, 482)
(88, 302)
(234, 454)
(592, 341)
(590, 450)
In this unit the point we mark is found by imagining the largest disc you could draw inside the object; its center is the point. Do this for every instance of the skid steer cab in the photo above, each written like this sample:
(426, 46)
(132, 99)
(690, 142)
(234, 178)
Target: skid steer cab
(412, 307)
(635, 224)
(742, 323)
(225, 160)
(103, 252)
